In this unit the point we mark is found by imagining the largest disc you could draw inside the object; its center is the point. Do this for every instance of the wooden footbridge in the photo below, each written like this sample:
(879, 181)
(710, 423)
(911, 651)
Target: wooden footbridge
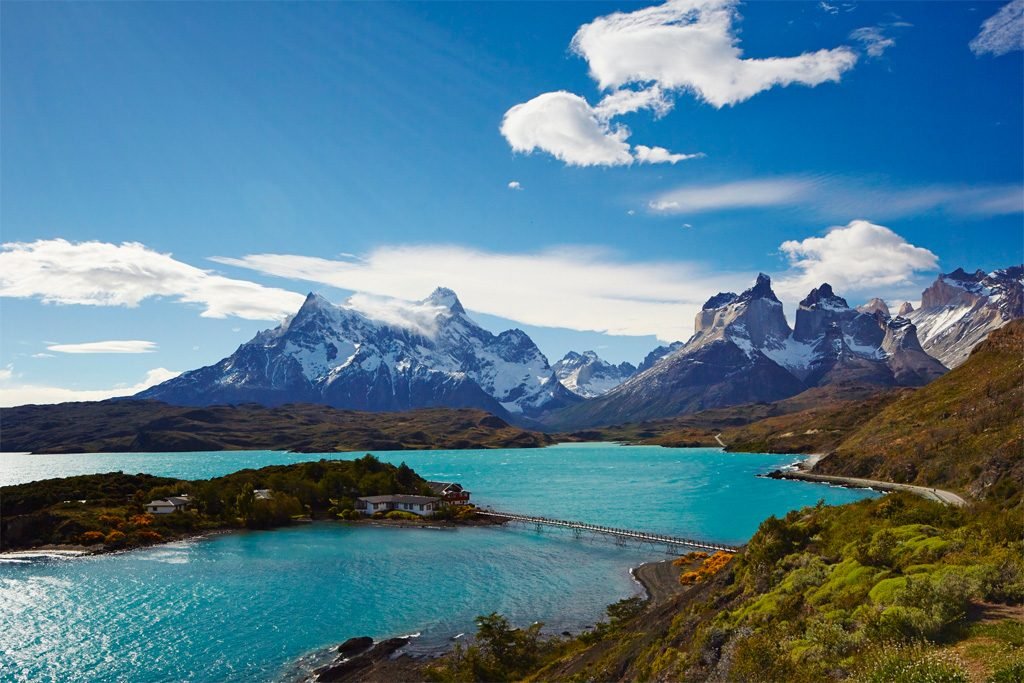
(620, 535)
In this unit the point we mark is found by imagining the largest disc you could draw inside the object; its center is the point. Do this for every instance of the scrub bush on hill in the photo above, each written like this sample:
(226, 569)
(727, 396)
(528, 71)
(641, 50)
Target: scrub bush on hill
(876, 590)
(88, 508)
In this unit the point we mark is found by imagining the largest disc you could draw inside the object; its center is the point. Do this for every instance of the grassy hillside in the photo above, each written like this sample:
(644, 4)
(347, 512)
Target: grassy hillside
(894, 589)
(117, 426)
(963, 431)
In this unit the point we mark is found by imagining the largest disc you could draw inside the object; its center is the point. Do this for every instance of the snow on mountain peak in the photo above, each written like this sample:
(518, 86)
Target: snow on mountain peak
(824, 297)
(442, 296)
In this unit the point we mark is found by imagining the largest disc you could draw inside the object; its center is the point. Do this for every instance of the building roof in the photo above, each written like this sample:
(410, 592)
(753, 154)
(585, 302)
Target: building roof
(399, 498)
(444, 486)
(171, 500)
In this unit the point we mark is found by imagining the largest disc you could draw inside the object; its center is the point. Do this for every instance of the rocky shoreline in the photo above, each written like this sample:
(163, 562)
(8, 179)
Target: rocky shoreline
(364, 660)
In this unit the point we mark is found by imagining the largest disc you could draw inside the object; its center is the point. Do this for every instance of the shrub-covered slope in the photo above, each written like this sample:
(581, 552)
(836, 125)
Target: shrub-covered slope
(117, 426)
(963, 431)
(893, 589)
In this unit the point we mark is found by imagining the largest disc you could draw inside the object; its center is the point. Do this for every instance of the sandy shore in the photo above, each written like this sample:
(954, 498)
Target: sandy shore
(659, 579)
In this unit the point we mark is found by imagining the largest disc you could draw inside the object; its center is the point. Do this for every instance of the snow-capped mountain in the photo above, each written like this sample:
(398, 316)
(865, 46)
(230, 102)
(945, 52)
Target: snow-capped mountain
(959, 310)
(379, 354)
(657, 354)
(743, 351)
(588, 375)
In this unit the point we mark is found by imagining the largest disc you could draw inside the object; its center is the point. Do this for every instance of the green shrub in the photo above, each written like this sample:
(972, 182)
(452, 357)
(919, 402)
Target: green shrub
(1014, 673)
(402, 514)
(912, 664)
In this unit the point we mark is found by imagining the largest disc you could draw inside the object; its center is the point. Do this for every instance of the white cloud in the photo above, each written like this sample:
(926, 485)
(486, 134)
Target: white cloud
(660, 155)
(571, 287)
(627, 101)
(834, 197)
(682, 45)
(825, 7)
(16, 394)
(568, 128)
(691, 45)
(515, 185)
(104, 274)
(111, 346)
(873, 39)
(857, 258)
(742, 194)
(43, 355)
(1001, 33)
(6, 373)
(565, 126)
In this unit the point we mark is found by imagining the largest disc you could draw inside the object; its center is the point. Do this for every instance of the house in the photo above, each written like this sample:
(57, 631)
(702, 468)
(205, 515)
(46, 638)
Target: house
(450, 492)
(417, 505)
(262, 494)
(165, 506)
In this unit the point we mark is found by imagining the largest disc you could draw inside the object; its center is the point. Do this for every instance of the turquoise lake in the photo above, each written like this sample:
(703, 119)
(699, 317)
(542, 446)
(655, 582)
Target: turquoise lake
(247, 606)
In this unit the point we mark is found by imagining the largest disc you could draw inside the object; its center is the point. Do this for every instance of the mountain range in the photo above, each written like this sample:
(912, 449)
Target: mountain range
(588, 375)
(379, 355)
(390, 355)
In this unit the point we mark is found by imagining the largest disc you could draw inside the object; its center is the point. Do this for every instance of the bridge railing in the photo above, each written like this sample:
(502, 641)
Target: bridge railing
(611, 531)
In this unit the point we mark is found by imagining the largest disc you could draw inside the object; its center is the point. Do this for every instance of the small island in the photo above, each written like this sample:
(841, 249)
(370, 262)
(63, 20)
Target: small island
(117, 511)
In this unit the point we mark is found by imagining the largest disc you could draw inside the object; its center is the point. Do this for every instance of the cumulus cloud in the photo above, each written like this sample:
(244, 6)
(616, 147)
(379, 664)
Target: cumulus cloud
(692, 45)
(1001, 33)
(642, 59)
(16, 394)
(103, 274)
(857, 258)
(515, 185)
(567, 127)
(833, 197)
(111, 346)
(575, 287)
(873, 39)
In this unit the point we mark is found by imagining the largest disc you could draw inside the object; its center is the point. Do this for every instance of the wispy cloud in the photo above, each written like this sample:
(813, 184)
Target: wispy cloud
(857, 258)
(1001, 33)
(13, 393)
(111, 346)
(699, 198)
(573, 287)
(832, 197)
(874, 40)
(103, 274)
(515, 185)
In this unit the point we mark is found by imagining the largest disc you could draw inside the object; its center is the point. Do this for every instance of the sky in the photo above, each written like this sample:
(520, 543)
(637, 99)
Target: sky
(176, 177)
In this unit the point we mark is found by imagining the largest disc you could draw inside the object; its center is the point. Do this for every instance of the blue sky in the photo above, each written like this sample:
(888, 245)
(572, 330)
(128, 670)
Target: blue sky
(371, 146)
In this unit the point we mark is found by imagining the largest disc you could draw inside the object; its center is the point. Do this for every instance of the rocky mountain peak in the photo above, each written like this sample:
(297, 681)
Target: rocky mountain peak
(719, 300)
(823, 296)
(875, 305)
(762, 289)
(588, 375)
(442, 296)
(905, 309)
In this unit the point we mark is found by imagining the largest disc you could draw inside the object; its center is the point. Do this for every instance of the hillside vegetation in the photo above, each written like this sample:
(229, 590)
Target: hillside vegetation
(108, 510)
(896, 589)
(963, 431)
(152, 426)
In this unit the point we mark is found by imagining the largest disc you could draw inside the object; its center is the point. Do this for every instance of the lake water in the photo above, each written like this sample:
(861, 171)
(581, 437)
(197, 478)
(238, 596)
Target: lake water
(246, 606)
